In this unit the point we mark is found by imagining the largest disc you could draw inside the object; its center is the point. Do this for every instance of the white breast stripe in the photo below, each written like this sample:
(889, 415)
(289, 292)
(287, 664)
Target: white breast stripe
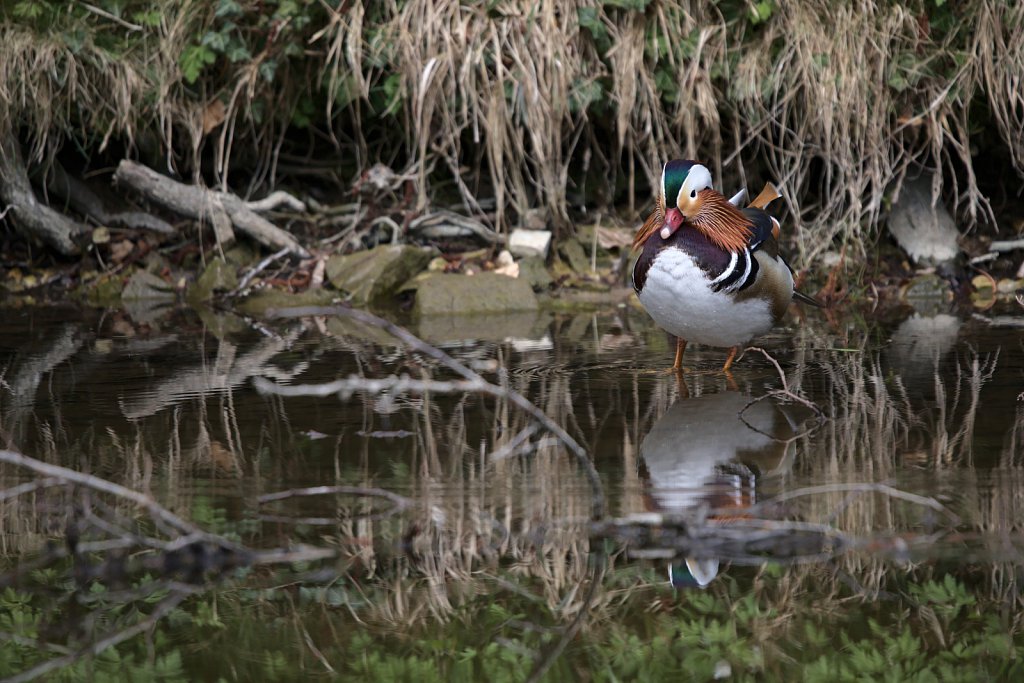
(746, 273)
(728, 270)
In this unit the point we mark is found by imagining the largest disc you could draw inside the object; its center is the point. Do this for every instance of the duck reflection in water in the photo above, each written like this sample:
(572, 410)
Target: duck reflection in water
(707, 457)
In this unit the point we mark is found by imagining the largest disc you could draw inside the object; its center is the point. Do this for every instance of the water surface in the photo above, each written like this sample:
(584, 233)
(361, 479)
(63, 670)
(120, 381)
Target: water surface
(855, 516)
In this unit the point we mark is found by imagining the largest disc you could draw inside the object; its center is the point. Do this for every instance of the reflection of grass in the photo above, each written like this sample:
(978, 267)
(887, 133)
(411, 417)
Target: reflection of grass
(495, 559)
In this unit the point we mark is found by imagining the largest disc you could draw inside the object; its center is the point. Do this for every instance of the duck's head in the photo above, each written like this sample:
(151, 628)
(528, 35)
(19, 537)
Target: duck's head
(681, 195)
(682, 192)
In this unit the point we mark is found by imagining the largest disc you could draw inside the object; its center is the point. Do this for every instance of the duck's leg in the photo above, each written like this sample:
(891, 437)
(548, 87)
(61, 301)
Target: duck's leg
(728, 361)
(680, 349)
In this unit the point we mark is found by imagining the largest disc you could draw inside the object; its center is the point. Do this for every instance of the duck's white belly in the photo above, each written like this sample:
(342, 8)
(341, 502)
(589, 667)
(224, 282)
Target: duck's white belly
(678, 296)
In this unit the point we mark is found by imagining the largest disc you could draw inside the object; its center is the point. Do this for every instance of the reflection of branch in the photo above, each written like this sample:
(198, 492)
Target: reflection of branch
(162, 609)
(474, 383)
(229, 370)
(399, 503)
(784, 391)
(924, 501)
(158, 512)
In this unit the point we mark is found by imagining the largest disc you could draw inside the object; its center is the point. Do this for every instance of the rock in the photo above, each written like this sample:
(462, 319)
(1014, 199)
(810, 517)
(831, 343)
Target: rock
(375, 275)
(483, 326)
(929, 286)
(104, 291)
(482, 293)
(533, 271)
(927, 233)
(504, 259)
(572, 252)
(260, 301)
(221, 324)
(608, 237)
(525, 243)
(219, 276)
(143, 285)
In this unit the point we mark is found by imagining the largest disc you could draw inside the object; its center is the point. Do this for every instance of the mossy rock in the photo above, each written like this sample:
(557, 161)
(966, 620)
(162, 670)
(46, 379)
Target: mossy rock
(144, 285)
(219, 276)
(104, 290)
(573, 254)
(259, 302)
(523, 325)
(533, 271)
(441, 294)
(374, 276)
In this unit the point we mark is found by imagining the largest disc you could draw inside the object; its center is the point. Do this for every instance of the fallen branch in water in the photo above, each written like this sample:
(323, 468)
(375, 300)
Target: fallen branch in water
(473, 382)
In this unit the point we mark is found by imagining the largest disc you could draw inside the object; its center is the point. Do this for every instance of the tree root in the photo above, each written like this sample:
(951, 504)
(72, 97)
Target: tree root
(82, 199)
(222, 209)
(31, 217)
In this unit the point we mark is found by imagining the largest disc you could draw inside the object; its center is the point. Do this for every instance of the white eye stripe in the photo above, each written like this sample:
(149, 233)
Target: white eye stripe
(699, 178)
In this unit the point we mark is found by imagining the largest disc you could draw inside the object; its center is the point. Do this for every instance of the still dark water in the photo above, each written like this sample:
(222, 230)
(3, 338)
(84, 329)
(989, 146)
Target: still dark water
(870, 530)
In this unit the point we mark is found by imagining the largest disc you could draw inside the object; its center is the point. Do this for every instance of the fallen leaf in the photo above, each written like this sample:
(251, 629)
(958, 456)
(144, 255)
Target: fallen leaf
(119, 251)
(213, 115)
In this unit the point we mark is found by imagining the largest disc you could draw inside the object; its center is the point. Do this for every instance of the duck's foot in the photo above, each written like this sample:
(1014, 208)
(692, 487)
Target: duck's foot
(680, 350)
(728, 361)
(729, 379)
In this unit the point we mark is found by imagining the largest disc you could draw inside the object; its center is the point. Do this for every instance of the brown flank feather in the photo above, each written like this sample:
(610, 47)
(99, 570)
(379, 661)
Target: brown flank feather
(721, 222)
(653, 223)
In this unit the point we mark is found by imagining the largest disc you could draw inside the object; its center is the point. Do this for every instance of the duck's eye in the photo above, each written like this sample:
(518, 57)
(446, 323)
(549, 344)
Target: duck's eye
(693, 194)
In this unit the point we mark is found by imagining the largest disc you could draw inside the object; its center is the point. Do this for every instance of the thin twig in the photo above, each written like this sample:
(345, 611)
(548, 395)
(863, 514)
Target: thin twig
(276, 199)
(30, 486)
(107, 15)
(784, 391)
(258, 268)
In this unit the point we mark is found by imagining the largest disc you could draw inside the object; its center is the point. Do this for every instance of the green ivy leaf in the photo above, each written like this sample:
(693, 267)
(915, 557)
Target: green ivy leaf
(228, 8)
(590, 19)
(761, 12)
(636, 5)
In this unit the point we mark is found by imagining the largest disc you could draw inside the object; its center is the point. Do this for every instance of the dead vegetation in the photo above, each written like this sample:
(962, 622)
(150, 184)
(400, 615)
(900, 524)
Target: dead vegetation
(568, 105)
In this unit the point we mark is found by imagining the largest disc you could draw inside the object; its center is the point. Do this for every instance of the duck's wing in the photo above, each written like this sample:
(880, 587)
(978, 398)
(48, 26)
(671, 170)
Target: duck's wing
(764, 237)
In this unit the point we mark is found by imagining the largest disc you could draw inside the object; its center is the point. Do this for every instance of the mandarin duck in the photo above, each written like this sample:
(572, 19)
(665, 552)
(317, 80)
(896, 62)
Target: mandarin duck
(708, 271)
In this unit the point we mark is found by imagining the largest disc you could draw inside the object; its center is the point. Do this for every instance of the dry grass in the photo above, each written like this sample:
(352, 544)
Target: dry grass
(562, 104)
